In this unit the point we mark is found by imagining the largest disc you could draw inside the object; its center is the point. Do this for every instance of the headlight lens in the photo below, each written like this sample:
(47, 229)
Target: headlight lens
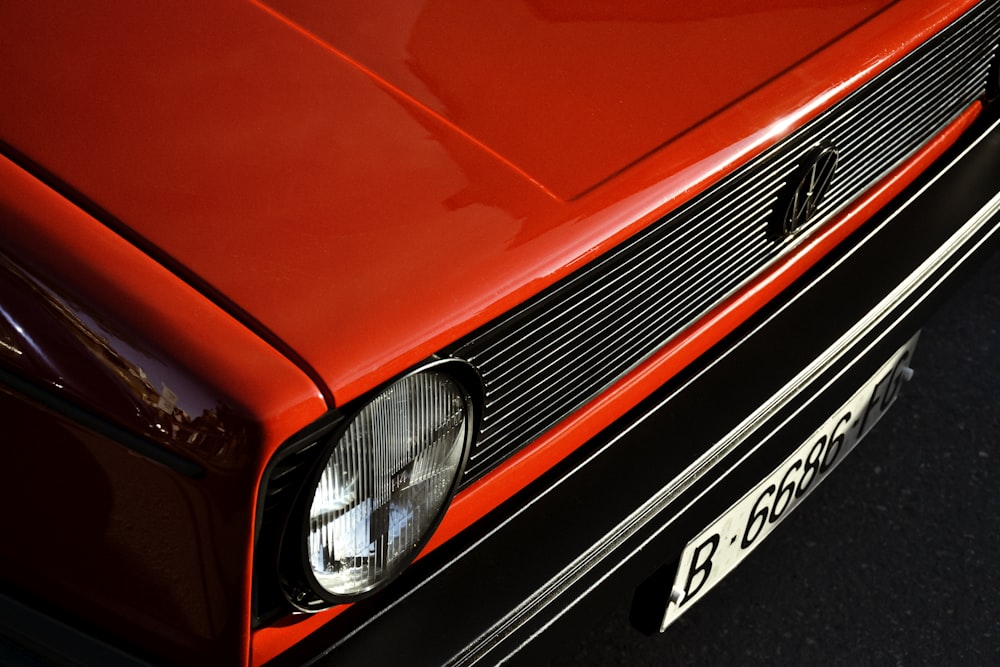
(386, 482)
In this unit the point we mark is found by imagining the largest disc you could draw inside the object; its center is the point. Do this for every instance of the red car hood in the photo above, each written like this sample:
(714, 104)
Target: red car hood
(365, 182)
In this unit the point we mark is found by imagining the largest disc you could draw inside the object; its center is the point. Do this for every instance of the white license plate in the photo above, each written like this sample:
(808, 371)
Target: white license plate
(726, 542)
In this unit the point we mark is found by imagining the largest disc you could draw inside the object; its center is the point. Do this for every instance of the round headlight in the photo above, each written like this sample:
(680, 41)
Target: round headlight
(385, 483)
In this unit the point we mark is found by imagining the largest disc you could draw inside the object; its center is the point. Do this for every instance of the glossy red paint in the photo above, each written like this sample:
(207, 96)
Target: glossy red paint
(226, 128)
(158, 558)
(572, 93)
(150, 317)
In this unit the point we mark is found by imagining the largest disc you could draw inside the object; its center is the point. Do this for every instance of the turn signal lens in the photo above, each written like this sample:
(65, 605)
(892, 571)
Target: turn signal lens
(387, 482)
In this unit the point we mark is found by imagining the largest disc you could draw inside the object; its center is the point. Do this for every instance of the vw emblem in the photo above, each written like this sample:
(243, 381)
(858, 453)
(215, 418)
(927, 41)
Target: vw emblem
(814, 177)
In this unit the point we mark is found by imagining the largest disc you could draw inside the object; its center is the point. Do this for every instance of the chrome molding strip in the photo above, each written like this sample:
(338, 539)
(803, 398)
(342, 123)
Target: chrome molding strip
(549, 358)
(834, 354)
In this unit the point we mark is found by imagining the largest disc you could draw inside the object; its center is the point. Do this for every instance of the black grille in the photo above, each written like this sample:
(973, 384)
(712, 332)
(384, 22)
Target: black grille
(545, 360)
(279, 491)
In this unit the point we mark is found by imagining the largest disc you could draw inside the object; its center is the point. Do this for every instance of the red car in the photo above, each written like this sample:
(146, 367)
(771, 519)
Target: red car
(408, 332)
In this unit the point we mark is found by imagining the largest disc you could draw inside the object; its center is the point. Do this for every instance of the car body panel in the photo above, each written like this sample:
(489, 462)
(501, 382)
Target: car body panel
(143, 418)
(224, 127)
(573, 93)
(149, 323)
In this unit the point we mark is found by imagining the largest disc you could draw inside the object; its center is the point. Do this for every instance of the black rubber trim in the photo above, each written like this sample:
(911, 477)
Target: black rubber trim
(109, 429)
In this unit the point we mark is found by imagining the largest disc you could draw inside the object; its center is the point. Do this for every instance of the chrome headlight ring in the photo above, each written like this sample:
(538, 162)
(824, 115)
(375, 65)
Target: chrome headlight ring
(381, 486)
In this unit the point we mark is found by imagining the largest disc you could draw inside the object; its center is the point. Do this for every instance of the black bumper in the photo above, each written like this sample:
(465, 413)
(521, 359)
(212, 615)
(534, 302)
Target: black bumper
(624, 506)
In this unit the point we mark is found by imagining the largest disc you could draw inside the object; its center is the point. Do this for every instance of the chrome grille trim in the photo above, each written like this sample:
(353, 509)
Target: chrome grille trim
(545, 360)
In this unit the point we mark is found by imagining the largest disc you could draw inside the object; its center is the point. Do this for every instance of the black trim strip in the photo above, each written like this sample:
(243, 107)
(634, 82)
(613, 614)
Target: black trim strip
(98, 424)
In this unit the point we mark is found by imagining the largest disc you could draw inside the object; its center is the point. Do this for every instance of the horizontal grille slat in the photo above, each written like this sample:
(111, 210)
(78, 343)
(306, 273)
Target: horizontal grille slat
(600, 306)
(547, 359)
(647, 314)
(596, 363)
(676, 245)
(639, 331)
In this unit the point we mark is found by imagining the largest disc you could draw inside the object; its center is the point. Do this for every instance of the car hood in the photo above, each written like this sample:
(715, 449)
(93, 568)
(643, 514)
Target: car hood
(364, 183)
(572, 92)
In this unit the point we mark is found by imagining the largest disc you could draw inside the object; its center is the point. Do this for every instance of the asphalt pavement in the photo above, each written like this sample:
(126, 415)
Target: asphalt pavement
(895, 559)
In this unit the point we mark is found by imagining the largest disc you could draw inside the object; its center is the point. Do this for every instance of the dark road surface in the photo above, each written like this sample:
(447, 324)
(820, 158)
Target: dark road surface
(895, 559)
